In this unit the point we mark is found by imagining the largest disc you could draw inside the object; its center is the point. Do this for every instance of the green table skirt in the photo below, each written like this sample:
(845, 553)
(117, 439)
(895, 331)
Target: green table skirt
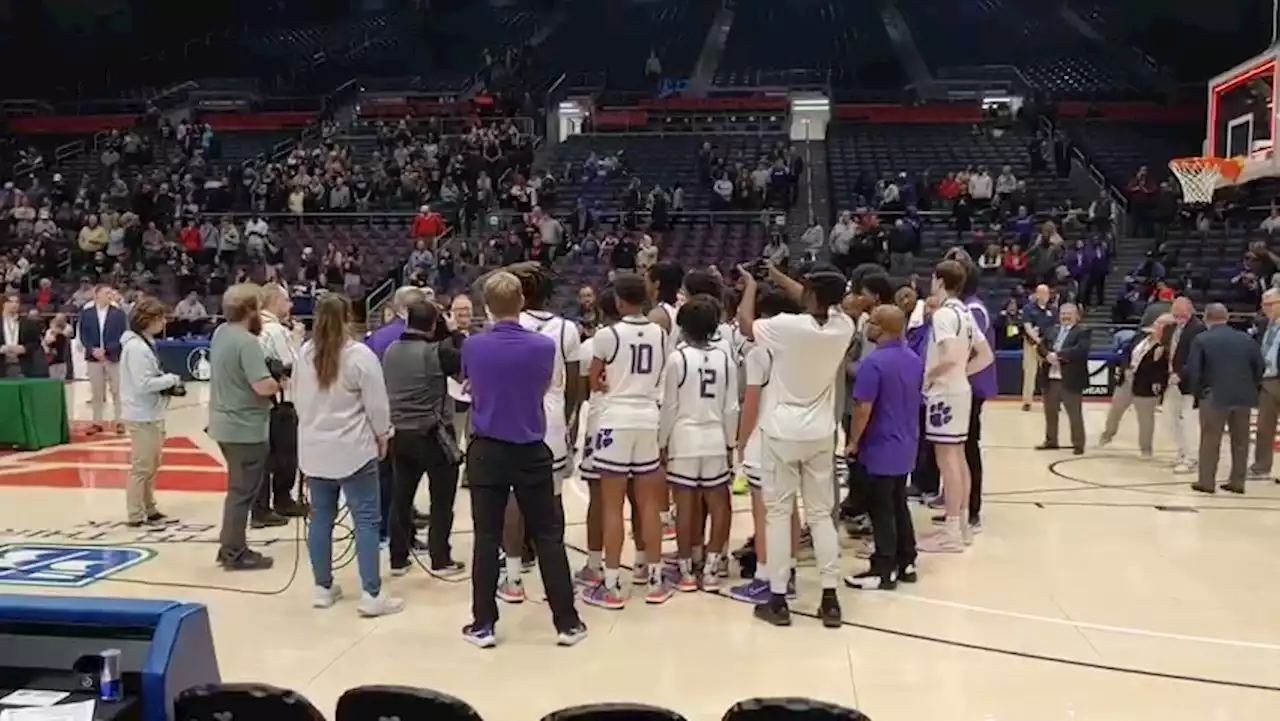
(33, 413)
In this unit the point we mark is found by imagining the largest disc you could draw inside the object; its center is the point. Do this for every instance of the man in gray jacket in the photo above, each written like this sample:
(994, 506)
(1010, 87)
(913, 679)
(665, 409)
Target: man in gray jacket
(1224, 371)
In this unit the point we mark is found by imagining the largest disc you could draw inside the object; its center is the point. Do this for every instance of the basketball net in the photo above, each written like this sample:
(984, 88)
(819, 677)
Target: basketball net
(1201, 176)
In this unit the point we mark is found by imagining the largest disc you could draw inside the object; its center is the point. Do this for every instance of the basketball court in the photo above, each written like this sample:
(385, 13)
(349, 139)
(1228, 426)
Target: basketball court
(1102, 588)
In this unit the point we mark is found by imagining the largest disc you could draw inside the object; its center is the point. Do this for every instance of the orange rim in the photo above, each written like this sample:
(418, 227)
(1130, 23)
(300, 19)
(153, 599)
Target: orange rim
(1228, 168)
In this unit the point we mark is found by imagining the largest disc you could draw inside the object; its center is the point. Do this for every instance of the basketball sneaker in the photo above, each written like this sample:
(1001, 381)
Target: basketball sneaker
(661, 588)
(510, 590)
(588, 576)
(602, 595)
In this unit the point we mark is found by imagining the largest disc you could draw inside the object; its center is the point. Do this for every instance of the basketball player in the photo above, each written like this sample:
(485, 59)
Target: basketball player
(954, 351)
(559, 404)
(756, 404)
(626, 376)
(664, 284)
(593, 573)
(799, 432)
(697, 434)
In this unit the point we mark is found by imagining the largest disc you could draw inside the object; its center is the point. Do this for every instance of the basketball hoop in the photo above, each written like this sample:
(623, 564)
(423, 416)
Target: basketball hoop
(1201, 176)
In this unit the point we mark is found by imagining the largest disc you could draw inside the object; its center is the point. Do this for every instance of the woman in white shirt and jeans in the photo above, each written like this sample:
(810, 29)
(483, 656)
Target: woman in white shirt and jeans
(344, 423)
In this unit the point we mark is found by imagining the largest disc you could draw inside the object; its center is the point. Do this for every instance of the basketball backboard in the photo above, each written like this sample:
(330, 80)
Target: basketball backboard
(1242, 114)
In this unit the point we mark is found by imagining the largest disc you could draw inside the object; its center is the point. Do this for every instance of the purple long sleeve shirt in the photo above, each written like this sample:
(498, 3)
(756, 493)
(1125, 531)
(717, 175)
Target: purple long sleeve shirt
(983, 382)
(380, 339)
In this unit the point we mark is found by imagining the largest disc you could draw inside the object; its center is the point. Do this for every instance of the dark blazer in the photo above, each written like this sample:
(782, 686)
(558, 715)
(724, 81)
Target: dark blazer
(108, 338)
(1178, 365)
(1224, 368)
(1073, 359)
(1151, 376)
(32, 363)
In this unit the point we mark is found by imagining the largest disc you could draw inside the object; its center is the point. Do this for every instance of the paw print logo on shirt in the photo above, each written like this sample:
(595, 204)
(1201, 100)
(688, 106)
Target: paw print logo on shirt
(939, 414)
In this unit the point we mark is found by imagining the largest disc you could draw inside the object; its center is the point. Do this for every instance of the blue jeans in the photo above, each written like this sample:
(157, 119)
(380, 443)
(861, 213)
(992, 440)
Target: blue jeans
(362, 494)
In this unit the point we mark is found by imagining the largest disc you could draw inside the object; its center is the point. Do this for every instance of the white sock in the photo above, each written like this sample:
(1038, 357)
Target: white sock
(594, 560)
(713, 561)
(952, 526)
(686, 566)
(611, 578)
(762, 573)
(515, 568)
(794, 563)
(641, 561)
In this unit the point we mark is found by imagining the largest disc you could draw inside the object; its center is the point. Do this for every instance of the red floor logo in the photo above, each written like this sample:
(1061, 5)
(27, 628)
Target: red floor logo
(103, 462)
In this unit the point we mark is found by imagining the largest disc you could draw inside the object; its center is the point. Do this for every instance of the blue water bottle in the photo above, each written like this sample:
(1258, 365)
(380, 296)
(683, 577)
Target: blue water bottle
(110, 685)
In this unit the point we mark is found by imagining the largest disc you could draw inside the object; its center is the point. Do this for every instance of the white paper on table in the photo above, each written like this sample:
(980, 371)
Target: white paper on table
(81, 711)
(33, 697)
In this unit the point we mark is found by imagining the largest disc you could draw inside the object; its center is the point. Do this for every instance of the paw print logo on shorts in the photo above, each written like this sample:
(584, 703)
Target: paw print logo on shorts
(939, 414)
(604, 439)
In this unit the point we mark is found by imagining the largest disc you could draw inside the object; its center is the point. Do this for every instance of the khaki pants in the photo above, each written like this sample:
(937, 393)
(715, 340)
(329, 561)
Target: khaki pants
(104, 377)
(146, 441)
(1030, 367)
(1145, 409)
(1265, 442)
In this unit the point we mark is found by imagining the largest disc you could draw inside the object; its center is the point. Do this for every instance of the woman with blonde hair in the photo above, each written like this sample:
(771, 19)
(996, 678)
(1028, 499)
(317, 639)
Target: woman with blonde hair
(344, 423)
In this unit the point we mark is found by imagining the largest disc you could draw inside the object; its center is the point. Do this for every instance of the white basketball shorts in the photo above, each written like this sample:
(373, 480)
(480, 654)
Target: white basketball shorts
(625, 451)
(699, 472)
(946, 417)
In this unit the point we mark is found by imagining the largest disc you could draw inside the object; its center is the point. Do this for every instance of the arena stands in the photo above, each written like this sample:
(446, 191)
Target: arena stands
(844, 44)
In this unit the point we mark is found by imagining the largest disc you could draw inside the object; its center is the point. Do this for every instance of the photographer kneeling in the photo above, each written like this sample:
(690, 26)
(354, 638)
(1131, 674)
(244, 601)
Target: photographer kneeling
(144, 398)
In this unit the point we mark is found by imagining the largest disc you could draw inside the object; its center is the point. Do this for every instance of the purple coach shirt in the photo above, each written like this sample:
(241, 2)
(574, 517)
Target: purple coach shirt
(509, 369)
(983, 382)
(890, 380)
(379, 340)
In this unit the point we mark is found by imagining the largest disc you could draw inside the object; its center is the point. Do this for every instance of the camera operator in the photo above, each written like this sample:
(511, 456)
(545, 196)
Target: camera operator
(240, 391)
(279, 345)
(416, 369)
(144, 398)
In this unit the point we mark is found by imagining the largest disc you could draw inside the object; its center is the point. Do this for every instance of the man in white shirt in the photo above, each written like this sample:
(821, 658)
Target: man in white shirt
(798, 434)
(981, 186)
(190, 314)
(280, 347)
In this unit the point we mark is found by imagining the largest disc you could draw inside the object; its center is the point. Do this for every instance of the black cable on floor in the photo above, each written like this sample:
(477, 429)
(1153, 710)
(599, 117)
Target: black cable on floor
(1147, 673)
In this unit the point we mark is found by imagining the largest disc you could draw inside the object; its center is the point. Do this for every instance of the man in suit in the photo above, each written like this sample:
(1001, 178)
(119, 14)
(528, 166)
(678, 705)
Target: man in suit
(1064, 376)
(1179, 400)
(21, 352)
(101, 325)
(1224, 370)
(1269, 394)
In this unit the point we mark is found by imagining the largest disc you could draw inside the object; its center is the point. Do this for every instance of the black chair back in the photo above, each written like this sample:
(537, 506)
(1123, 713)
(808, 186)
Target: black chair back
(613, 712)
(243, 702)
(402, 703)
(790, 709)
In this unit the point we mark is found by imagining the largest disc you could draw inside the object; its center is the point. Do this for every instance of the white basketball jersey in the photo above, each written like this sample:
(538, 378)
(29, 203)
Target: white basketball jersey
(596, 402)
(632, 351)
(950, 321)
(700, 403)
(673, 335)
(757, 368)
(568, 347)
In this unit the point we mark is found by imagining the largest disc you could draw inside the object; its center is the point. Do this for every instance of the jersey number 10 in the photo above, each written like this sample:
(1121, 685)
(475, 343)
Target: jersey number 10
(641, 359)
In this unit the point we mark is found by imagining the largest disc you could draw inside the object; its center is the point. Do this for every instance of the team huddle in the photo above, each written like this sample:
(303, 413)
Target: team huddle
(690, 383)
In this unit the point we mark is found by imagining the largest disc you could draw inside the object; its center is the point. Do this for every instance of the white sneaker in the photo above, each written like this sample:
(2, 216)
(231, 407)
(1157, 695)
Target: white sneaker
(326, 597)
(1183, 468)
(380, 605)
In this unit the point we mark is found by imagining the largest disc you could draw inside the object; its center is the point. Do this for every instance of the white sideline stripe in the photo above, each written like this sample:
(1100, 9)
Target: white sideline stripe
(1094, 626)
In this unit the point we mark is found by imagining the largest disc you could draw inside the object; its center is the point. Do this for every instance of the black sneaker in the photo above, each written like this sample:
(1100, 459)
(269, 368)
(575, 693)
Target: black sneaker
(829, 611)
(147, 524)
(1047, 446)
(479, 636)
(775, 612)
(907, 574)
(571, 636)
(245, 560)
(871, 581)
(448, 567)
(270, 519)
(289, 509)
(161, 519)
